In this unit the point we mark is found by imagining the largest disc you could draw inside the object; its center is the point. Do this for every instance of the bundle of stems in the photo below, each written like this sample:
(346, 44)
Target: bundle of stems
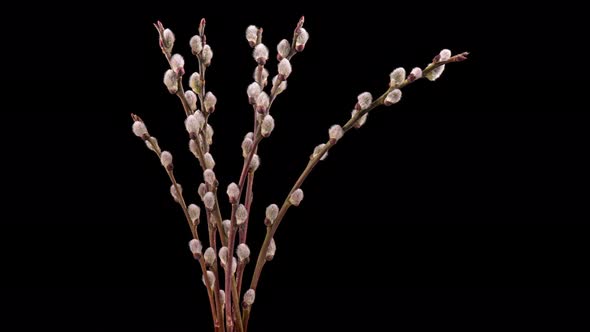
(231, 307)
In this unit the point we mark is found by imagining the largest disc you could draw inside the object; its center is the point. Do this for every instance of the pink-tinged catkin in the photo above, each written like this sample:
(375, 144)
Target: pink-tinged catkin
(241, 214)
(272, 211)
(247, 145)
(253, 91)
(254, 163)
(223, 252)
(249, 298)
(262, 102)
(268, 124)
(335, 133)
(397, 77)
(296, 197)
(196, 248)
(283, 49)
(168, 39)
(434, 74)
(171, 81)
(211, 279)
(209, 256)
(226, 226)
(209, 201)
(361, 121)
(152, 144)
(282, 87)
(222, 298)
(194, 211)
(260, 54)
(202, 191)
(209, 161)
(177, 64)
(176, 194)
(364, 100)
(302, 39)
(209, 134)
(191, 99)
(140, 130)
(252, 35)
(233, 192)
(415, 74)
(210, 102)
(206, 55)
(196, 44)
(209, 177)
(193, 147)
(234, 265)
(284, 69)
(393, 97)
(317, 150)
(243, 252)
(271, 251)
(193, 124)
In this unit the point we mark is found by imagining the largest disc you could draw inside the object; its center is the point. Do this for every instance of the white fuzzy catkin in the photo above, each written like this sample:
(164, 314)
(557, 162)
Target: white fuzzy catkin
(171, 81)
(252, 35)
(260, 54)
(243, 252)
(210, 278)
(360, 122)
(191, 99)
(416, 73)
(209, 134)
(209, 161)
(196, 248)
(434, 74)
(254, 163)
(261, 78)
(253, 91)
(262, 102)
(335, 133)
(247, 145)
(397, 76)
(296, 197)
(364, 100)
(234, 265)
(192, 146)
(393, 97)
(168, 39)
(226, 225)
(140, 130)
(317, 150)
(202, 191)
(176, 194)
(209, 176)
(222, 298)
(241, 214)
(209, 256)
(196, 44)
(268, 124)
(177, 64)
(210, 101)
(302, 39)
(249, 297)
(233, 192)
(209, 200)
(272, 249)
(194, 211)
(272, 211)
(195, 82)
(193, 124)
(223, 252)
(206, 55)
(283, 49)
(284, 69)
(282, 87)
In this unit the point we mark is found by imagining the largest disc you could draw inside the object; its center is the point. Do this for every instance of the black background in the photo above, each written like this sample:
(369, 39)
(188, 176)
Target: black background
(464, 207)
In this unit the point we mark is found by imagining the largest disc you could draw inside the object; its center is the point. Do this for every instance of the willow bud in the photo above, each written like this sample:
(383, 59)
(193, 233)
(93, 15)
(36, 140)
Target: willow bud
(196, 44)
(223, 253)
(209, 161)
(335, 133)
(262, 102)
(361, 121)
(252, 35)
(210, 101)
(177, 64)
(176, 194)
(206, 55)
(226, 226)
(254, 163)
(191, 100)
(397, 77)
(272, 249)
(140, 130)
(194, 211)
(296, 197)
(209, 200)
(415, 74)
(435, 73)
(261, 76)
(209, 256)
(196, 248)
(241, 215)
(209, 134)
(209, 177)
(168, 39)
(171, 81)
(364, 100)
(317, 150)
(268, 124)
(272, 211)
(249, 297)
(195, 82)
(283, 49)
(243, 252)
(282, 86)
(302, 39)
(193, 125)
(253, 92)
(284, 69)
(247, 145)
(210, 279)
(233, 192)
(202, 191)
(393, 97)
(260, 54)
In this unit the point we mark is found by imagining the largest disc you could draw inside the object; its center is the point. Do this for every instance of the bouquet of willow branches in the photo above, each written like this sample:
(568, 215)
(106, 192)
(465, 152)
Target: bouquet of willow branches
(231, 306)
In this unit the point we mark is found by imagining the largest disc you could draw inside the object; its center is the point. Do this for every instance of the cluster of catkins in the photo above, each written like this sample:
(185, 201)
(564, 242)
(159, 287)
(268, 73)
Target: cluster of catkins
(232, 233)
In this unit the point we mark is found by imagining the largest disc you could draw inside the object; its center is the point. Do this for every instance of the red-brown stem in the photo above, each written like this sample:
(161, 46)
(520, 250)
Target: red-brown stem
(228, 268)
